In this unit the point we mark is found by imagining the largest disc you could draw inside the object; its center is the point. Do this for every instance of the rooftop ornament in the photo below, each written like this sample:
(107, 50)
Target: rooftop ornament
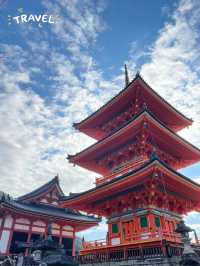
(126, 76)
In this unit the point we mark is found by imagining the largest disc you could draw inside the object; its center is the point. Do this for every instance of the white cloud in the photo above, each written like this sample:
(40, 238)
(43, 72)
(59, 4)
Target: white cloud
(173, 69)
(36, 134)
(36, 130)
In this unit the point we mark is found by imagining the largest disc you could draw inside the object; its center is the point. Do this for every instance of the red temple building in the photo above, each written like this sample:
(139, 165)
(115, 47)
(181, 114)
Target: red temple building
(141, 193)
(26, 218)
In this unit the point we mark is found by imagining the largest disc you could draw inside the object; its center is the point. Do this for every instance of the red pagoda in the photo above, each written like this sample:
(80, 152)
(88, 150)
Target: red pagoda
(140, 192)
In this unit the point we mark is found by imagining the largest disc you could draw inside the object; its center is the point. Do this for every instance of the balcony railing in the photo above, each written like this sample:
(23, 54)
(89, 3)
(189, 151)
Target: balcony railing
(133, 239)
(154, 253)
(125, 169)
(132, 248)
(94, 244)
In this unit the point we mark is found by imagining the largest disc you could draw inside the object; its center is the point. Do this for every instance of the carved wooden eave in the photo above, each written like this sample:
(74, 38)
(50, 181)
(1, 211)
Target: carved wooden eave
(183, 151)
(173, 181)
(43, 191)
(137, 90)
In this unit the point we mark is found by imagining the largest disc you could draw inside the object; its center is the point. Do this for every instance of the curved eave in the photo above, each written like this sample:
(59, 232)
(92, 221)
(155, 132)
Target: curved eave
(132, 179)
(96, 148)
(86, 125)
(43, 190)
(79, 221)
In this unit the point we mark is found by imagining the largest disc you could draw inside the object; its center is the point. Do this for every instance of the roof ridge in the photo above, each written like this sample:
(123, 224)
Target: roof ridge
(56, 212)
(144, 110)
(176, 110)
(41, 189)
(137, 76)
(134, 171)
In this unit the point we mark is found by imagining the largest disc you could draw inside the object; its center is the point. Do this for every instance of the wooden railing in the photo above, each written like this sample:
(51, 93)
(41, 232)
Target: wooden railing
(134, 239)
(125, 169)
(149, 236)
(131, 253)
(94, 244)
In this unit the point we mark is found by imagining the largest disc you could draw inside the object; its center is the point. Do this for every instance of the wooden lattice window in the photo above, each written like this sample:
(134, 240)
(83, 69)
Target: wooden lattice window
(143, 221)
(157, 221)
(115, 228)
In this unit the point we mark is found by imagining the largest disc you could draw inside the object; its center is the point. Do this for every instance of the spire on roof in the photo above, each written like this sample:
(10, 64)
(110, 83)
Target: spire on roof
(57, 177)
(137, 74)
(126, 76)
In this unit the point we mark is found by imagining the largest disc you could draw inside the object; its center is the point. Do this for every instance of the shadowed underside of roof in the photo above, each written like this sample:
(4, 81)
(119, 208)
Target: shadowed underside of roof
(87, 157)
(133, 172)
(43, 210)
(88, 120)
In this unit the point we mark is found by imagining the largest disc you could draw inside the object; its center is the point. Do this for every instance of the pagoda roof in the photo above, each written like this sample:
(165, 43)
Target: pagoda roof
(158, 105)
(43, 210)
(174, 181)
(162, 135)
(44, 189)
(49, 211)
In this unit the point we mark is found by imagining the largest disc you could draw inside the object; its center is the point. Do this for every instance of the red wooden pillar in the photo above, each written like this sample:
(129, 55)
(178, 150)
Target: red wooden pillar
(30, 230)
(120, 231)
(29, 234)
(137, 226)
(46, 228)
(163, 225)
(152, 228)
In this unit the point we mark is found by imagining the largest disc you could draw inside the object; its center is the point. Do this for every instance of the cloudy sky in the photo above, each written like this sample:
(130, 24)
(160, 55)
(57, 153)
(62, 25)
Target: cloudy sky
(54, 74)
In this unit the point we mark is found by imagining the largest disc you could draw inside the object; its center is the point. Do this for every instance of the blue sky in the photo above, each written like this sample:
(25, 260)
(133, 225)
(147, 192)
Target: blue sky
(55, 74)
(130, 23)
